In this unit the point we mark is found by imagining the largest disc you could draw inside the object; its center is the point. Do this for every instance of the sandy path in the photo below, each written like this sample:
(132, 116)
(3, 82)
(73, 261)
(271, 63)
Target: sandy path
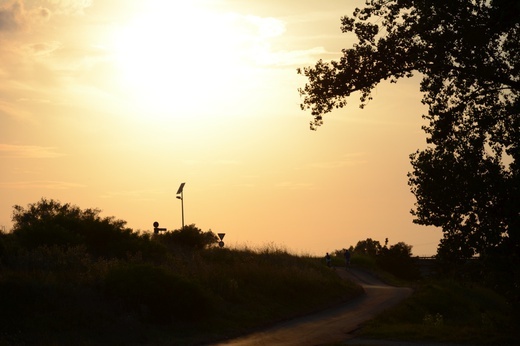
(332, 325)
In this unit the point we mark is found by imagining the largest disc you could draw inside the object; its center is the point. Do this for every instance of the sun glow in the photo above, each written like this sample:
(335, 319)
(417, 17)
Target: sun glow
(181, 56)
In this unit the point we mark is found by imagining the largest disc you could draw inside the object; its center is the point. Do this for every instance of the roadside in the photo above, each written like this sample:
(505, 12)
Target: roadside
(370, 342)
(371, 284)
(334, 325)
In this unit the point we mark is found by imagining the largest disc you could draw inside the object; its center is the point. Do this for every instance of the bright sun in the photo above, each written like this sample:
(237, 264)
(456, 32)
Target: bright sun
(176, 55)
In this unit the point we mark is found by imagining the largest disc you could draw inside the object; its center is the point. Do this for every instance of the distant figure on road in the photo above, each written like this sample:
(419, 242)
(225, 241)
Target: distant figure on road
(347, 259)
(327, 259)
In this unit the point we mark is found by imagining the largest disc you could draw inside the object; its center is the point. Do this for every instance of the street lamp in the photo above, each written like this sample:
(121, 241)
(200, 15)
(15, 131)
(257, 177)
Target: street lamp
(181, 197)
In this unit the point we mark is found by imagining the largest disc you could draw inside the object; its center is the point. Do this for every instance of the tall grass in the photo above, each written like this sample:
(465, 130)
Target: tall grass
(442, 310)
(448, 311)
(56, 295)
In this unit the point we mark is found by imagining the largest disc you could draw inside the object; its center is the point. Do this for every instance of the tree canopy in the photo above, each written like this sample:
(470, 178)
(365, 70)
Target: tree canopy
(368, 247)
(467, 51)
(52, 223)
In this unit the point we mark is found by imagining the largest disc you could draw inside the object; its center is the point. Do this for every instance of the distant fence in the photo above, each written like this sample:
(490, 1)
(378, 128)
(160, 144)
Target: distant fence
(426, 265)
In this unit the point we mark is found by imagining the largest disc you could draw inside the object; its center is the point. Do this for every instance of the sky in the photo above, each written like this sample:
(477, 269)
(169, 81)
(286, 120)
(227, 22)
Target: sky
(112, 104)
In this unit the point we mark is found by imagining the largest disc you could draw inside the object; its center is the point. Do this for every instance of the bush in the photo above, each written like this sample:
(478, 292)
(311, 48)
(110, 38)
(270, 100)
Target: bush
(368, 247)
(398, 261)
(50, 223)
(189, 237)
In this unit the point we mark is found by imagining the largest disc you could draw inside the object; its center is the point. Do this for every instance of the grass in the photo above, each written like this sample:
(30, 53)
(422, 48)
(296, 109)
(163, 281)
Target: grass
(447, 311)
(54, 295)
(51, 295)
(441, 310)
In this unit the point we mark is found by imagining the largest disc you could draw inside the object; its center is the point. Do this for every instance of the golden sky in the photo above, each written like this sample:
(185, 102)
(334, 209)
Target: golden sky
(111, 104)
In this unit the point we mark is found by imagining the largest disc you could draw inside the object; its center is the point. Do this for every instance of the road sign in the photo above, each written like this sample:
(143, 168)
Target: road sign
(221, 235)
(156, 228)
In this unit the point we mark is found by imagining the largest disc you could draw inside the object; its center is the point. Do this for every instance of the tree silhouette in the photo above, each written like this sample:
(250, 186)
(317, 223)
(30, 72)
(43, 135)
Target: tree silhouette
(397, 259)
(467, 52)
(368, 247)
(189, 237)
(49, 222)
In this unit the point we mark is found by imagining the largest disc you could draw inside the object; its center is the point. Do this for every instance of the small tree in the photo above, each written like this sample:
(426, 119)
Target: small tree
(49, 222)
(368, 247)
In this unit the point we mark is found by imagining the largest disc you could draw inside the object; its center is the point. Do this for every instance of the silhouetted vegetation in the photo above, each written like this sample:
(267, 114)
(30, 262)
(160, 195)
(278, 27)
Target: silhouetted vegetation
(455, 303)
(396, 259)
(188, 237)
(448, 311)
(158, 294)
(368, 247)
(68, 274)
(180, 287)
(50, 223)
(467, 179)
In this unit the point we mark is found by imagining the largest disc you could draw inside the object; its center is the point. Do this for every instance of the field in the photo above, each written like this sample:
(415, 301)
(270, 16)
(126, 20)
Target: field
(54, 295)
(69, 276)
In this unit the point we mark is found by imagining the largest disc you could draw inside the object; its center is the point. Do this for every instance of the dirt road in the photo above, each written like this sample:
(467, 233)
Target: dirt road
(332, 325)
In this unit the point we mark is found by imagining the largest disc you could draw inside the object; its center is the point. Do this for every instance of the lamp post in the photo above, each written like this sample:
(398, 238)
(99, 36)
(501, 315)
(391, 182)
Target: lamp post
(180, 192)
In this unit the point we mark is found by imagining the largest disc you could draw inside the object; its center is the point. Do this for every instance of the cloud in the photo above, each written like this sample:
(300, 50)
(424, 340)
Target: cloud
(44, 48)
(136, 195)
(12, 16)
(221, 162)
(292, 185)
(244, 185)
(226, 162)
(18, 15)
(27, 152)
(266, 27)
(291, 58)
(11, 111)
(42, 13)
(40, 184)
(257, 35)
(68, 7)
(29, 100)
(355, 159)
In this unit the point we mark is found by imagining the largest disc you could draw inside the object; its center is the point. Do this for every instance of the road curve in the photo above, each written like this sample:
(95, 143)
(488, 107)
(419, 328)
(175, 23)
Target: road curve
(332, 325)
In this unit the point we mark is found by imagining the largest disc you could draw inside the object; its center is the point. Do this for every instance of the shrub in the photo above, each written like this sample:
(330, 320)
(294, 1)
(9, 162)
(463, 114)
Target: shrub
(189, 237)
(368, 247)
(50, 223)
(398, 261)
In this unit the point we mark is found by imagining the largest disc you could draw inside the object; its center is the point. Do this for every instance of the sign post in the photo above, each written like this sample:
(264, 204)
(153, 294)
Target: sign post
(156, 228)
(221, 236)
